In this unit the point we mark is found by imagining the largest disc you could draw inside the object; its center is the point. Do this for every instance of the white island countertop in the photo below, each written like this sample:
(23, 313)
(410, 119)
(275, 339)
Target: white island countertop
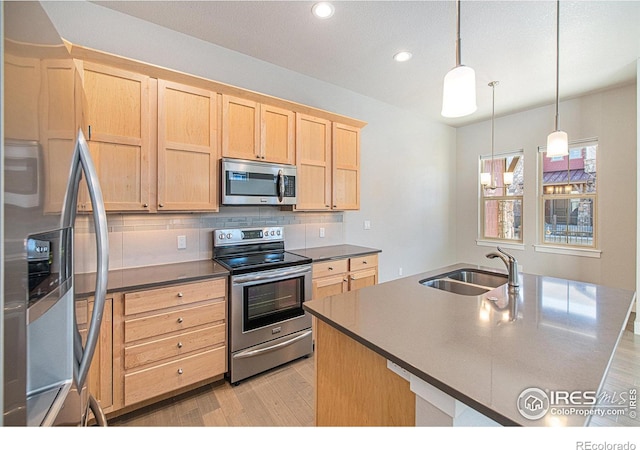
(558, 336)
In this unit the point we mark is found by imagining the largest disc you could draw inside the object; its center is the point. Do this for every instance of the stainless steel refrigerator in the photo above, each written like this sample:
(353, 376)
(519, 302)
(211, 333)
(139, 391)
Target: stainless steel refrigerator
(46, 164)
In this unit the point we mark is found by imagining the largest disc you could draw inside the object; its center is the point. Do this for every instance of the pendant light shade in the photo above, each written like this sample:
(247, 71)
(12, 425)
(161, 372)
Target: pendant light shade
(558, 141)
(507, 178)
(459, 93)
(557, 144)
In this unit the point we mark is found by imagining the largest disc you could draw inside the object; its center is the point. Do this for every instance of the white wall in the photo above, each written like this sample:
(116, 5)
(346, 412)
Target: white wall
(407, 161)
(636, 327)
(611, 117)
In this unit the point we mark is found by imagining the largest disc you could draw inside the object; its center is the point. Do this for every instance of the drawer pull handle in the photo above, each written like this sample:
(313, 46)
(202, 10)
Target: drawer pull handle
(179, 344)
(345, 279)
(179, 371)
(353, 277)
(364, 262)
(330, 268)
(180, 294)
(179, 319)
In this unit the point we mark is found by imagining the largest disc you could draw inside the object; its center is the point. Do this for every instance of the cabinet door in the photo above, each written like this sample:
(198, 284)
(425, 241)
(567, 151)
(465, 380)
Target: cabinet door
(187, 150)
(277, 127)
(346, 167)
(21, 89)
(101, 371)
(324, 287)
(58, 129)
(117, 109)
(240, 128)
(362, 278)
(313, 157)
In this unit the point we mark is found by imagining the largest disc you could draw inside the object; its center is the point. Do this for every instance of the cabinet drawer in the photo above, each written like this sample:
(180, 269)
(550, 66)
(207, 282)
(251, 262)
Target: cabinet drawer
(333, 267)
(363, 262)
(169, 322)
(176, 295)
(174, 346)
(173, 375)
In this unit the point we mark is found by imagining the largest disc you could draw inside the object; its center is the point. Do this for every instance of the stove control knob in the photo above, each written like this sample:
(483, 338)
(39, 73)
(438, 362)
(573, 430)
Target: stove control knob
(221, 236)
(273, 233)
(229, 235)
(278, 232)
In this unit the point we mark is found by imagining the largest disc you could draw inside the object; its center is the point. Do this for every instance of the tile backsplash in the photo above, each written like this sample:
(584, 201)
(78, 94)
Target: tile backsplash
(137, 240)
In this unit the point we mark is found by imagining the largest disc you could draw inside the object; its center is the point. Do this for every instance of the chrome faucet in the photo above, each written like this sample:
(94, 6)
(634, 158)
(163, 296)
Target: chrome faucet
(512, 266)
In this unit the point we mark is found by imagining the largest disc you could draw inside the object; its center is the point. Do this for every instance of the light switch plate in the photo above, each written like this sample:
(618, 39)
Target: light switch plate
(182, 242)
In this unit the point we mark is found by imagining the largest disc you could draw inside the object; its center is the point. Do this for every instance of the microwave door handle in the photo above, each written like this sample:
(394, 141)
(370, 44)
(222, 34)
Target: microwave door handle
(81, 162)
(280, 185)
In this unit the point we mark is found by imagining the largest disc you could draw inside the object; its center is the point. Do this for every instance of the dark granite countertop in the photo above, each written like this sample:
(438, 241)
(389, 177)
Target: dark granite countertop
(318, 254)
(151, 276)
(563, 337)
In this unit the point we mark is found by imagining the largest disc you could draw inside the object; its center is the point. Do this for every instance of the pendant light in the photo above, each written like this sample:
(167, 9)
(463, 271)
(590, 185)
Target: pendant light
(486, 178)
(459, 93)
(558, 141)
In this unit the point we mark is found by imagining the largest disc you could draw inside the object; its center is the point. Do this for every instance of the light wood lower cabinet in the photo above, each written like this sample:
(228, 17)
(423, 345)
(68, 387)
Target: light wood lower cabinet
(157, 342)
(354, 386)
(342, 275)
(101, 371)
(172, 337)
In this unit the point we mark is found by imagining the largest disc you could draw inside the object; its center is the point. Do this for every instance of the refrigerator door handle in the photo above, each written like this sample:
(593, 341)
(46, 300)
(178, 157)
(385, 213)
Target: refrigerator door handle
(81, 162)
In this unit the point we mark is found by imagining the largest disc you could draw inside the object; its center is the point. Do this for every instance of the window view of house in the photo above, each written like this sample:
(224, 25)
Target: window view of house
(502, 180)
(569, 196)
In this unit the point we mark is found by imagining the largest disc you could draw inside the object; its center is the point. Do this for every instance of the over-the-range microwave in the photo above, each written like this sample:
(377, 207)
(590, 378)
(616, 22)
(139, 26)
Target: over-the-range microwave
(246, 182)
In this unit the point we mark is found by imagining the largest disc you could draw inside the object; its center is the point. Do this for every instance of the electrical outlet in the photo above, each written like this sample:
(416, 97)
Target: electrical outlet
(367, 224)
(321, 232)
(182, 242)
(400, 271)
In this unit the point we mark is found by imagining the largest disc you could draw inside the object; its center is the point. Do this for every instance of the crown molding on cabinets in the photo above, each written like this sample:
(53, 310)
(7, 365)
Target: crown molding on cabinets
(154, 71)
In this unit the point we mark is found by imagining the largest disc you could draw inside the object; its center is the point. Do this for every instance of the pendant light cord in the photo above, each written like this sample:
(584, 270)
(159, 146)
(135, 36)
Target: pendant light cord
(493, 113)
(458, 49)
(557, 61)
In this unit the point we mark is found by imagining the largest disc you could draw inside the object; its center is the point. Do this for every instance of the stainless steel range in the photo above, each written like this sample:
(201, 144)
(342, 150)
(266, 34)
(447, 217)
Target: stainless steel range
(267, 324)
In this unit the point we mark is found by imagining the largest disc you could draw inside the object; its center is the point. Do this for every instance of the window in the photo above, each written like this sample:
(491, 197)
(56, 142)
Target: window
(568, 197)
(502, 185)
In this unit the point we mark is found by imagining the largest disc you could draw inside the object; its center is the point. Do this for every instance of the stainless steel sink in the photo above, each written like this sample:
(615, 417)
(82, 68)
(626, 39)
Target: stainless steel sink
(466, 281)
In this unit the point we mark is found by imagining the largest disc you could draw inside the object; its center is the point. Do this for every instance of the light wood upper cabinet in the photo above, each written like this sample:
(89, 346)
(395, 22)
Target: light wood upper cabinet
(240, 128)
(346, 167)
(117, 112)
(187, 148)
(58, 128)
(313, 156)
(256, 131)
(277, 129)
(21, 91)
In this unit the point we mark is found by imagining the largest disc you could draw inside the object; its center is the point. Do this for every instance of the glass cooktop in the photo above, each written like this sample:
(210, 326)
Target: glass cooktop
(254, 262)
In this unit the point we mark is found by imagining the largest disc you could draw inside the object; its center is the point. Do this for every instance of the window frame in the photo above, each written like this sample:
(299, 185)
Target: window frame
(592, 250)
(482, 199)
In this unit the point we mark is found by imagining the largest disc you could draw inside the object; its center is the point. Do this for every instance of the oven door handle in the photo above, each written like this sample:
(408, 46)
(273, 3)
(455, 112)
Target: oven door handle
(271, 348)
(269, 275)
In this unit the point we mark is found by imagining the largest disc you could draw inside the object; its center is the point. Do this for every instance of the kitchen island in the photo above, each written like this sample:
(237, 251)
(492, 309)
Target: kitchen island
(466, 359)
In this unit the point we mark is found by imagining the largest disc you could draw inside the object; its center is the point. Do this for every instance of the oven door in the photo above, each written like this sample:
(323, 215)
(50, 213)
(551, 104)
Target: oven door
(266, 305)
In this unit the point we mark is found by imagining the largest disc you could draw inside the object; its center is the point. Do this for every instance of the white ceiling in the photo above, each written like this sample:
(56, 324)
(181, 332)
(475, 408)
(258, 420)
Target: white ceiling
(512, 42)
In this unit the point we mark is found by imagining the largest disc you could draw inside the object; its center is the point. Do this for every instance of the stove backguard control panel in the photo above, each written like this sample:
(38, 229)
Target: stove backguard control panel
(247, 236)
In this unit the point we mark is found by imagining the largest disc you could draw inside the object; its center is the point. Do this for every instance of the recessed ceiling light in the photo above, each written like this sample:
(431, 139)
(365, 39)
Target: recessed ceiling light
(323, 10)
(402, 56)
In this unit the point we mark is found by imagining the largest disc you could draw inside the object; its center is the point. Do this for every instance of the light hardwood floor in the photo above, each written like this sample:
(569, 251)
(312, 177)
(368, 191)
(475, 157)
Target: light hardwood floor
(284, 397)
